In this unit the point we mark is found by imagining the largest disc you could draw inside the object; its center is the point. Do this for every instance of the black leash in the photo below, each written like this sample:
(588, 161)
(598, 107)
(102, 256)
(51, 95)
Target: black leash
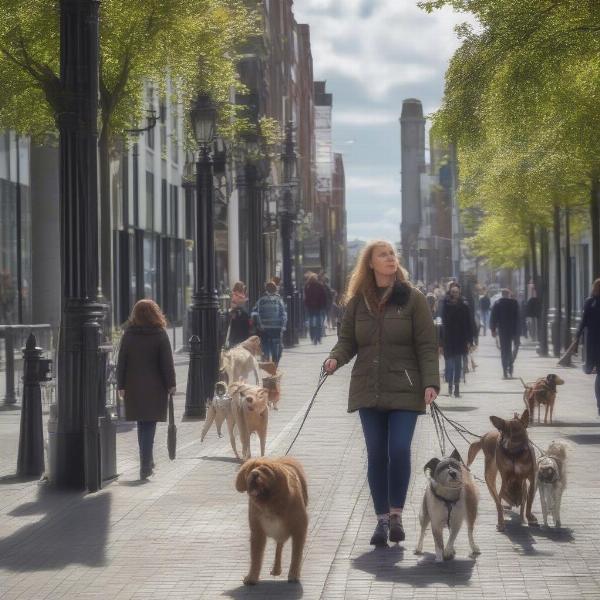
(322, 377)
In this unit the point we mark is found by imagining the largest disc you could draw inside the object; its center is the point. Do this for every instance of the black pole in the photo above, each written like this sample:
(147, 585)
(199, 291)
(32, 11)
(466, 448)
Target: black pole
(595, 221)
(205, 301)
(568, 278)
(19, 233)
(557, 324)
(288, 214)
(30, 459)
(78, 181)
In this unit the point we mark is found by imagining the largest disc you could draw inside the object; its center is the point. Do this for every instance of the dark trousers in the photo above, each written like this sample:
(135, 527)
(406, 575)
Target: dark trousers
(597, 390)
(506, 353)
(453, 370)
(388, 435)
(270, 340)
(146, 431)
(315, 325)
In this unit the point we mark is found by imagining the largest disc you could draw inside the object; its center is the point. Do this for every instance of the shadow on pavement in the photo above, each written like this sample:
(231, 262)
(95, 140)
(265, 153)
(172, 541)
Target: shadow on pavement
(566, 424)
(560, 535)
(12, 479)
(383, 563)
(584, 438)
(72, 530)
(228, 459)
(524, 536)
(268, 589)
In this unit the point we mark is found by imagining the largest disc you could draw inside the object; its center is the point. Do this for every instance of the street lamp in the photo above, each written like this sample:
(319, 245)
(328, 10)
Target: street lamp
(203, 312)
(288, 214)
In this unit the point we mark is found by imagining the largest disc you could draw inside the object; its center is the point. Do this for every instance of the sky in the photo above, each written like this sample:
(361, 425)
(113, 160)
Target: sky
(373, 55)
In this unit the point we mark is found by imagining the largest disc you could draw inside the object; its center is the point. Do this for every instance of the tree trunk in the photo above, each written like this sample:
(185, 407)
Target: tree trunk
(595, 220)
(105, 233)
(557, 323)
(533, 254)
(568, 279)
(543, 291)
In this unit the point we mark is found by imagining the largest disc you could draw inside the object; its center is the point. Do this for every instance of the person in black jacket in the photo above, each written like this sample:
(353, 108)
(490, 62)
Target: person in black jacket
(456, 336)
(239, 318)
(504, 321)
(484, 311)
(590, 323)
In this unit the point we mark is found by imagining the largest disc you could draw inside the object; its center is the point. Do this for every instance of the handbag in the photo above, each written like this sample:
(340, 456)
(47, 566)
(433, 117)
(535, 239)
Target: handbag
(171, 431)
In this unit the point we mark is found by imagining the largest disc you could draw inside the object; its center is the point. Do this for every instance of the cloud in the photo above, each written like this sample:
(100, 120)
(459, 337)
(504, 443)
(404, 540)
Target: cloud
(379, 185)
(375, 230)
(360, 118)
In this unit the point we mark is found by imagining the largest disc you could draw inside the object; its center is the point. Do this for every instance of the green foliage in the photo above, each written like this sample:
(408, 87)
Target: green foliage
(521, 104)
(193, 42)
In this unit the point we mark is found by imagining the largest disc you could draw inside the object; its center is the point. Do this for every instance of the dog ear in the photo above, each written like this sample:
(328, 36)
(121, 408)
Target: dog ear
(525, 418)
(242, 476)
(431, 465)
(456, 455)
(498, 423)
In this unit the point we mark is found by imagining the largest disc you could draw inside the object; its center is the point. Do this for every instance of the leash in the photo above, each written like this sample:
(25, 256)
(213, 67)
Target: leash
(322, 377)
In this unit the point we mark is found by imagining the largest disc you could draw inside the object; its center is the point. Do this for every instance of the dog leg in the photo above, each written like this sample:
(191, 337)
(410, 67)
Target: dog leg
(258, 540)
(297, 547)
(556, 508)
(424, 520)
(546, 414)
(438, 540)
(471, 502)
(277, 564)
(533, 522)
(544, 504)
(230, 425)
(449, 551)
(210, 417)
(551, 412)
(491, 472)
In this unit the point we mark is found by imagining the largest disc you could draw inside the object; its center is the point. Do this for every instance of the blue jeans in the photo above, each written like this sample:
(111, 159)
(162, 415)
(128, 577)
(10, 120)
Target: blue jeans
(453, 371)
(146, 431)
(315, 325)
(270, 340)
(388, 436)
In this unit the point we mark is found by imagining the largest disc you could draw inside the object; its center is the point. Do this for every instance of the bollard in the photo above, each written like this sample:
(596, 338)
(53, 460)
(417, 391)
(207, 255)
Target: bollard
(195, 406)
(9, 353)
(30, 460)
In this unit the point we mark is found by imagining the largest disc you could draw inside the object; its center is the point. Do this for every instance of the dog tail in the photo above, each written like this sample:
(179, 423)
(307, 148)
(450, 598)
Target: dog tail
(474, 448)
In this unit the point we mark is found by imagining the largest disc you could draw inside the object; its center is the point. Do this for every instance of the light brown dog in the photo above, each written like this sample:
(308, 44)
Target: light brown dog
(251, 413)
(278, 496)
(509, 452)
(541, 391)
(240, 362)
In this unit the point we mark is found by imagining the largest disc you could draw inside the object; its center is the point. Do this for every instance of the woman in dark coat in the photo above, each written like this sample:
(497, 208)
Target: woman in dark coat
(239, 317)
(315, 301)
(387, 325)
(146, 375)
(590, 322)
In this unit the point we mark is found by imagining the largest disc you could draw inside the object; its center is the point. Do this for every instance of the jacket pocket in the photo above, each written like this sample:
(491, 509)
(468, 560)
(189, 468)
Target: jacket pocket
(401, 379)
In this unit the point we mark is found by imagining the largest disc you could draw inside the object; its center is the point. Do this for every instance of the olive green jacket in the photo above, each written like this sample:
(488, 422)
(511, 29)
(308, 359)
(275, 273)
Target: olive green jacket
(397, 355)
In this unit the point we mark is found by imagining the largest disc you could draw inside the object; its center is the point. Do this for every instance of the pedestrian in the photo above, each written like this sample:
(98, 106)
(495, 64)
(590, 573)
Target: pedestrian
(590, 324)
(533, 312)
(315, 301)
(239, 326)
(504, 322)
(270, 318)
(388, 326)
(146, 375)
(484, 311)
(456, 337)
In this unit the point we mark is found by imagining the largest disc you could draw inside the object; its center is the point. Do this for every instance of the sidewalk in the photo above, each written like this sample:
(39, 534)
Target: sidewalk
(184, 534)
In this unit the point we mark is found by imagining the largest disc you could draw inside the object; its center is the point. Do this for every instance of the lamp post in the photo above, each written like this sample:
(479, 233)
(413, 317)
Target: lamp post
(204, 362)
(288, 214)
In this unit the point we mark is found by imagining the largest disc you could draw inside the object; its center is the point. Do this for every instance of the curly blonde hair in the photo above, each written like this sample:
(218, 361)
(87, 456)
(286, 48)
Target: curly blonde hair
(362, 279)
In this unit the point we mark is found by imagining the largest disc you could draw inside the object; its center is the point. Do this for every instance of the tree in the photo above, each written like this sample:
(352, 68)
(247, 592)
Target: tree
(193, 43)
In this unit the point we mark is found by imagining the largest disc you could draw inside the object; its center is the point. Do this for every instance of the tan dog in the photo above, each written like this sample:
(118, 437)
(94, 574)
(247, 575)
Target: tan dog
(450, 498)
(240, 362)
(509, 452)
(251, 413)
(541, 391)
(278, 497)
(220, 409)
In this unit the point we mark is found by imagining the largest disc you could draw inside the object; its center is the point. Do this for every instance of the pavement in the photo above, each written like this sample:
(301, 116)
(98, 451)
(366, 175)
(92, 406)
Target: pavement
(184, 533)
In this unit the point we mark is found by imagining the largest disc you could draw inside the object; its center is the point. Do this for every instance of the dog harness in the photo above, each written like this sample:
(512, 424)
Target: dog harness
(449, 504)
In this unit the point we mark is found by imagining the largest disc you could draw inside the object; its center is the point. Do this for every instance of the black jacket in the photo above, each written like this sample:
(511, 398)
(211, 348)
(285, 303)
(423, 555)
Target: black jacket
(239, 326)
(505, 317)
(590, 321)
(457, 328)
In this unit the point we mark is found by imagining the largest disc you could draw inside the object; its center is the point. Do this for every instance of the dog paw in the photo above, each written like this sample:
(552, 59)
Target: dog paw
(250, 580)
(439, 558)
(500, 527)
(449, 555)
(276, 572)
(558, 524)
(418, 551)
(475, 551)
(533, 522)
